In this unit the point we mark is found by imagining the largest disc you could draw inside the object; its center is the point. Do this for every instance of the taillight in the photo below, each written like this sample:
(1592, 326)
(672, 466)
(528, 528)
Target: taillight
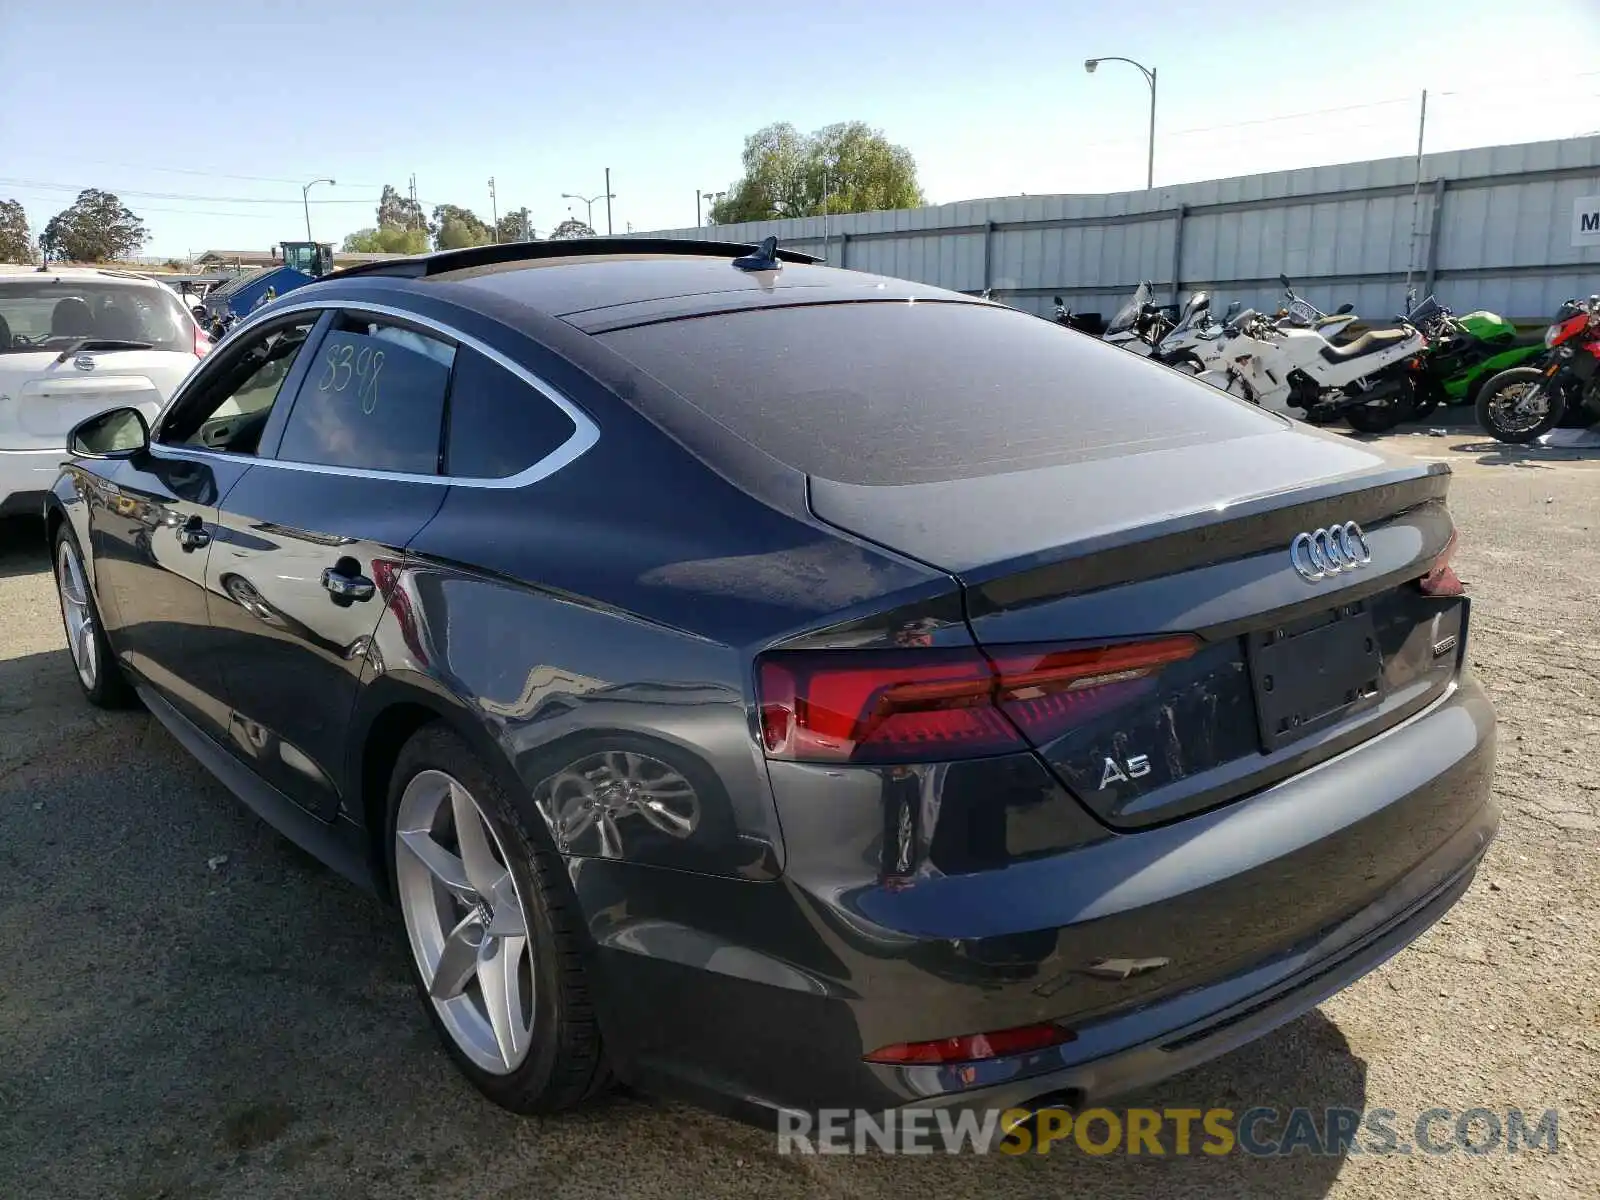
(972, 1047)
(202, 343)
(877, 706)
(1441, 579)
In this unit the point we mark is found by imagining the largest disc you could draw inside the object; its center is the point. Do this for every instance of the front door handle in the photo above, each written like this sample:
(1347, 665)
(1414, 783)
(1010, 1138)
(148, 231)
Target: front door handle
(193, 535)
(346, 587)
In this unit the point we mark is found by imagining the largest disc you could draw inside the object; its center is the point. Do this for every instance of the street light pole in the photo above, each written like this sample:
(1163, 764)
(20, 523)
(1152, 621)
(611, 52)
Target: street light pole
(589, 202)
(1149, 73)
(305, 199)
(712, 200)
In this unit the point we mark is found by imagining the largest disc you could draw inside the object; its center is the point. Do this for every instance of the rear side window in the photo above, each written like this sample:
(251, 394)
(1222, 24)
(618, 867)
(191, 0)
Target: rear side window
(53, 314)
(904, 392)
(499, 424)
(373, 399)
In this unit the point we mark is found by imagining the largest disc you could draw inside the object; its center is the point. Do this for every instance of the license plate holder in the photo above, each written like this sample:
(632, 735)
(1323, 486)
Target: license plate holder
(1315, 673)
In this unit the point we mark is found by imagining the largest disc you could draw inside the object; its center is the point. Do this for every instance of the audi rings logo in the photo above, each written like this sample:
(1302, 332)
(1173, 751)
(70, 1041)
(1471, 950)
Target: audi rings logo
(1324, 552)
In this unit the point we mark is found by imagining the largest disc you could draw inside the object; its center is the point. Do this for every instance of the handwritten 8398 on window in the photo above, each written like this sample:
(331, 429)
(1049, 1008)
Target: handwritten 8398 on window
(347, 363)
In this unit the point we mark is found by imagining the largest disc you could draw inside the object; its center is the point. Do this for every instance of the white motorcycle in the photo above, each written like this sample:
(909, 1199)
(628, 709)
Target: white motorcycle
(1335, 326)
(1370, 382)
(1139, 325)
(1183, 348)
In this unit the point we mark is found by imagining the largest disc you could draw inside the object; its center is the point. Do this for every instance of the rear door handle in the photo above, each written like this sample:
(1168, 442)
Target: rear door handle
(347, 588)
(193, 535)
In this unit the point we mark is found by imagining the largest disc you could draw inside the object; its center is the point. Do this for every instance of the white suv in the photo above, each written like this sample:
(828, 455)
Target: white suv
(72, 343)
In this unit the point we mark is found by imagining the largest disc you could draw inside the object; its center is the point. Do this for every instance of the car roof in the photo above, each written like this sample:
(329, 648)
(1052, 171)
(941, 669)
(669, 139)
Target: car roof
(79, 275)
(609, 293)
(610, 283)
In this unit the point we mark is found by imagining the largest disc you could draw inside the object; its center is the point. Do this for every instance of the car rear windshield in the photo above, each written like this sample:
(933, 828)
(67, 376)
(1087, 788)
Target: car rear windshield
(920, 392)
(48, 315)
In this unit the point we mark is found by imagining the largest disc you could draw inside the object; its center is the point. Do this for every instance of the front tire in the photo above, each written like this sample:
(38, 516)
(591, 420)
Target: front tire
(1501, 401)
(99, 674)
(496, 944)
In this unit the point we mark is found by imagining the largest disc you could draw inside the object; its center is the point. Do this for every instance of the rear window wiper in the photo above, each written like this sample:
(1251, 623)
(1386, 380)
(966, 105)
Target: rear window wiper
(89, 343)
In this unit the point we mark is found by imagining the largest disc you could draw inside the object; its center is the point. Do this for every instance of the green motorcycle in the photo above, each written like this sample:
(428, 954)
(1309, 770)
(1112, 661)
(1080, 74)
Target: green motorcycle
(1464, 352)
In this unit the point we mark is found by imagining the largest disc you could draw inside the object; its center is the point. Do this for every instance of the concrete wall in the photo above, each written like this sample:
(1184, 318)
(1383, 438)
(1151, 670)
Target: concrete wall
(1492, 230)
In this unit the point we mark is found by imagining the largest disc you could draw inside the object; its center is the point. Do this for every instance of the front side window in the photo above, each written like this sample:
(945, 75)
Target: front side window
(373, 399)
(230, 408)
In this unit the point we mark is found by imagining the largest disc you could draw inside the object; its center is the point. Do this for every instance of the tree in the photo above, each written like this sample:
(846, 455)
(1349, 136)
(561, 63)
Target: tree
(98, 227)
(399, 212)
(387, 241)
(516, 226)
(454, 228)
(16, 243)
(849, 167)
(570, 228)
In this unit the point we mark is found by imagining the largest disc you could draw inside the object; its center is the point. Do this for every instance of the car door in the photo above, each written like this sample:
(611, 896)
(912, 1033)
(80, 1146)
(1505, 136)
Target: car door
(153, 516)
(305, 536)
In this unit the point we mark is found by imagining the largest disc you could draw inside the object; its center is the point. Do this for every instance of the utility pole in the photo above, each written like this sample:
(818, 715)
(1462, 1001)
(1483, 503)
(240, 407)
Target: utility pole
(699, 219)
(609, 199)
(1416, 190)
(494, 210)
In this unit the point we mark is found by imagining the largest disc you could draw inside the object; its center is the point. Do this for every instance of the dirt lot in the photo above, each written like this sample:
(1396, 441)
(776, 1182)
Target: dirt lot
(172, 1025)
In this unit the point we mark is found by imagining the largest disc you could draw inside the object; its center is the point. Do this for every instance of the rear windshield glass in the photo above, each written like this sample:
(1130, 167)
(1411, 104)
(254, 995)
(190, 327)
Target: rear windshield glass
(47, 315)
(919, 392)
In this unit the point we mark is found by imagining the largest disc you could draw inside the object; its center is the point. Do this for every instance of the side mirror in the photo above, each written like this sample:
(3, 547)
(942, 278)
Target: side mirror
(1060, 303)
(1346, 307)
(115, 433)
(1233, 310)
(1284, 279)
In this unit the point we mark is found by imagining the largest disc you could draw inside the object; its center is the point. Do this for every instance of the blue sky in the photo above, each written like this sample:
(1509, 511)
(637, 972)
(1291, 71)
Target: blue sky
(189, 111)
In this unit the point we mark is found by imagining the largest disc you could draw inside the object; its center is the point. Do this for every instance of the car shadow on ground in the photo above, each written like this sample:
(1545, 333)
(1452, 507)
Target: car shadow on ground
(22, 547)
(193, 1008)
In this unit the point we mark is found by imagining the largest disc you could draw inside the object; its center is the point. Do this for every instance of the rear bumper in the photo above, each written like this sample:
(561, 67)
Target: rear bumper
(25, 477)
(1159, 949)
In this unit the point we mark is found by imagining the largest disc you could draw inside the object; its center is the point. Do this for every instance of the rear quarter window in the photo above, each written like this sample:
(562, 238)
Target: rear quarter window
(499, 425)
(903, 392)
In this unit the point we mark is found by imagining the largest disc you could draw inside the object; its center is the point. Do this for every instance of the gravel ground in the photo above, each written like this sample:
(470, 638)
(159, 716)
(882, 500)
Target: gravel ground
(176, 1026)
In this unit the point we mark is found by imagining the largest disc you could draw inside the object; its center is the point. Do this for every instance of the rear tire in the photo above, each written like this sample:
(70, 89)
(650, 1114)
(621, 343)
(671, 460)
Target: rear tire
(1373, 418)
(439, 786)
(94, 663)
(1496, 412)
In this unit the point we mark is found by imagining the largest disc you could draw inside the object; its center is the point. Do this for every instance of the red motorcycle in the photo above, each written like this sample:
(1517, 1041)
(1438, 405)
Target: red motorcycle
(1524, 403)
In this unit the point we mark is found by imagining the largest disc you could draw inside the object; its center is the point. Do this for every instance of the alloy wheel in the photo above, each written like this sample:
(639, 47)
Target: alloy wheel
(1520, 406)
(77, 613)
(466, 921)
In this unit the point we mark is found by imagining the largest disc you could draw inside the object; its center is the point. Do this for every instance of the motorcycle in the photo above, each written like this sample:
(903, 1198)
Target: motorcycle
(1341, 325)
(1091, 323)
(1465, 352)
(1527, 402)
(1183, 348)
(1140, 324)
(1370, 381)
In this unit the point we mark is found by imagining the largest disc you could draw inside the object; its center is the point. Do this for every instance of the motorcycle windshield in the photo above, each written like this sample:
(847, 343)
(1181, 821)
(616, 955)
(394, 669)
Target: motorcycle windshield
(1128, 314)
(1428, 310)
(1199, 304)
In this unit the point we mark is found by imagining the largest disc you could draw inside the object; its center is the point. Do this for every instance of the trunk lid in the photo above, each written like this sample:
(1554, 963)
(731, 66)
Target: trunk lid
(41, 399)
(1197, 539)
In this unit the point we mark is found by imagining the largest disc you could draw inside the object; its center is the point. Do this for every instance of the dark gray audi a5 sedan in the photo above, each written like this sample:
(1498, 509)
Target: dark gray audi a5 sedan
(788, 687)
